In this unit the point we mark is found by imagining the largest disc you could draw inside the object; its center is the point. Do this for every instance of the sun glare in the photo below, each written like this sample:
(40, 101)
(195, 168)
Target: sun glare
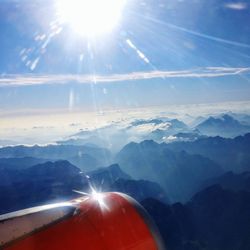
(99, 198)
(90, 17)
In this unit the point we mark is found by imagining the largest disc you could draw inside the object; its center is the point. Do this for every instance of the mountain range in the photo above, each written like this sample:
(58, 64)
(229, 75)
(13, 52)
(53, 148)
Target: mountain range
(43, 183)
(85, 157)
(195, 187)
(214, 219)
(231, 181)
(161, 129)
(225, 126)
(21, 162)
(155, 162)
(55, 181)
(230, 154)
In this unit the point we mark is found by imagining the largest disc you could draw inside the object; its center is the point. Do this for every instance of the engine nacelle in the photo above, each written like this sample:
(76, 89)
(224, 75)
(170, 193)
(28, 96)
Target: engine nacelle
(100, 221)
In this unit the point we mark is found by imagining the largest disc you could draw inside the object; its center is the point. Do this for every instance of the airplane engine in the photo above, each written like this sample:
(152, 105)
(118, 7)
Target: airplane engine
(102, 221)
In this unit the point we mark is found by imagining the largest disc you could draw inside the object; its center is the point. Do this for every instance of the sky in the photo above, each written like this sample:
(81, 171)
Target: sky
(160, 52)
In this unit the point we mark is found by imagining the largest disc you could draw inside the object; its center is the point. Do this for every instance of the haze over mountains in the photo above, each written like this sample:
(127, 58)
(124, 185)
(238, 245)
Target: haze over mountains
(85, 157)
(214, 218)
(156, 107)
(151, 161)
(160, 129)
(194, 185)
(231, 154)
(225, 126)
(166, 151)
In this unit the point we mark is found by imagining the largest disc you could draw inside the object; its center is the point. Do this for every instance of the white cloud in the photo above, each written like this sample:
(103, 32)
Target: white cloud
(207, 72)
(236, 6)
(150, 127)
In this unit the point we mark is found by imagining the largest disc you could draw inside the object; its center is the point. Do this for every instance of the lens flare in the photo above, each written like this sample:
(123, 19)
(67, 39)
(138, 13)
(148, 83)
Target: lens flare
(99, 198)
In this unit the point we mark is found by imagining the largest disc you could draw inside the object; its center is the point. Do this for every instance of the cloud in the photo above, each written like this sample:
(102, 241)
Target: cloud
(207, 72)
(236, 6)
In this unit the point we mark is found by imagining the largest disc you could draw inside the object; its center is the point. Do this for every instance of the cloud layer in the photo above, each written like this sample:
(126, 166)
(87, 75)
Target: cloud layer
(207, 72)
(236, 6)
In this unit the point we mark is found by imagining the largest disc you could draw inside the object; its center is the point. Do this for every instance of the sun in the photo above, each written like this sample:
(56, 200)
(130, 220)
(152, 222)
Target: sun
(90, 17)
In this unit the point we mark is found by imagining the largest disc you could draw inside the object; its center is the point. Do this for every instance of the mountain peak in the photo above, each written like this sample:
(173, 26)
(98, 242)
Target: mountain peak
(148, 143)
(225, 125)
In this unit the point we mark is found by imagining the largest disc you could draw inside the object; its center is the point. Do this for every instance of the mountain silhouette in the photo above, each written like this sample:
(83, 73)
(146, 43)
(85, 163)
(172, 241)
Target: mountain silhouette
(43, 183)
(214, 219)
(103, 178)
(225, 126)
(85, 157)
(20, 163)
(179, 173)
(230, 180)
(231, 154)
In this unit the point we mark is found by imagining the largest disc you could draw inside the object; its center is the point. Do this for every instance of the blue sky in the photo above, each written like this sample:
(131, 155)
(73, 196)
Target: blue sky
(189, 51)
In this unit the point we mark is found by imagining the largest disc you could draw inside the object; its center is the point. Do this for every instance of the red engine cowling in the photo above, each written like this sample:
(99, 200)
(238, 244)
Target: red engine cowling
(104, 221)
